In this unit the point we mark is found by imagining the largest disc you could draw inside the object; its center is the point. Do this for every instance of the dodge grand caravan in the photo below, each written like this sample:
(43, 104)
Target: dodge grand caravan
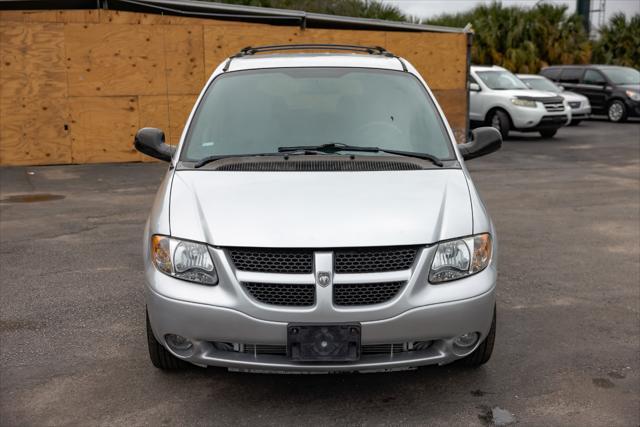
(317, 216)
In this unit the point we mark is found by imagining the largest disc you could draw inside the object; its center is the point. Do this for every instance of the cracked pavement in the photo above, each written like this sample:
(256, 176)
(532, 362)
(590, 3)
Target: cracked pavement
(567, 210)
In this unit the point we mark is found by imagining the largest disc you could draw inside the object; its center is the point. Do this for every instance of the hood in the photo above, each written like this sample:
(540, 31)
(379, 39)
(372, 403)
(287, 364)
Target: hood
(528, 93)
(572, 96)
(317, 209)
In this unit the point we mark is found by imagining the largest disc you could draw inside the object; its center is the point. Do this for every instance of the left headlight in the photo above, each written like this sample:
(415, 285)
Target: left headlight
(183, 259)
(633, 95)
(521, 102)
(455, 259)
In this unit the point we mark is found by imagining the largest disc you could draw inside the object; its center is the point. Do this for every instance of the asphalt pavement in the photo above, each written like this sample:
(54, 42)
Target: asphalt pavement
(567, 210)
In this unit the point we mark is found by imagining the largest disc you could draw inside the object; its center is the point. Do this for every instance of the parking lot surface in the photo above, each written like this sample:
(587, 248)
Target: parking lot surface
(567, 210)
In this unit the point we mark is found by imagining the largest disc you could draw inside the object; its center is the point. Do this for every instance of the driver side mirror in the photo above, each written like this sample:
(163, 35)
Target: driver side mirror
(474, 87)
(485, 140)
(150, 141)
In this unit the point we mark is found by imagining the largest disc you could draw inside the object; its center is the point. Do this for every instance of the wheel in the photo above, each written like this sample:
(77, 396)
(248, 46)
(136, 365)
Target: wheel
(548, 133)
(575, 122)
(500, 120)
(617, 111)
(160, 356)
(482, 354)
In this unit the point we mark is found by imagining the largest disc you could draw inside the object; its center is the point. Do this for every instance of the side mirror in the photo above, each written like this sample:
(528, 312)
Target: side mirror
(150, 141)
(474, 87)
(485, 140)
(561, 88)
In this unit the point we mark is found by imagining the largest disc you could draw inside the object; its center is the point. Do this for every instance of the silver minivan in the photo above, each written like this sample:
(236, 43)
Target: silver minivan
(317, 216)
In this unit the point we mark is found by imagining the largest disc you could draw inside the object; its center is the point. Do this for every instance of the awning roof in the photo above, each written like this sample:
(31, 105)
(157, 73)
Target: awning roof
(204, 9)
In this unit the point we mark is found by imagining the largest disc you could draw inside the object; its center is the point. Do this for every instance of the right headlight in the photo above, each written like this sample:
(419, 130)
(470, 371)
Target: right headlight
(183, 259)
(455, 259)
(521, 102)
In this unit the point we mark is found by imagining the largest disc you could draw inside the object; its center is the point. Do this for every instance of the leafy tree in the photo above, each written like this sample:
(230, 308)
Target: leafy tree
(619, 42)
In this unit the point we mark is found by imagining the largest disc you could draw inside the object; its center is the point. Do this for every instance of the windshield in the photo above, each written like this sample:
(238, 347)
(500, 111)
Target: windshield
(622, 75)
(257, 111)
(541, 84)
(501, 80)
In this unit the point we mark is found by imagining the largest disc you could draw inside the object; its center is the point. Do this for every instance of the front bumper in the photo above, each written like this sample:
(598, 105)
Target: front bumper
(206, 325)
(581, 113)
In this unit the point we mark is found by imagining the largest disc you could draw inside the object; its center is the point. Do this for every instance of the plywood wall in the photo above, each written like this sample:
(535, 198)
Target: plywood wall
(76, 85)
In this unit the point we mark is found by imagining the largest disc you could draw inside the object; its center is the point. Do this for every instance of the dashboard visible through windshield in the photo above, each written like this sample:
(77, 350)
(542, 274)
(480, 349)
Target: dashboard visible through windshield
(257, 111)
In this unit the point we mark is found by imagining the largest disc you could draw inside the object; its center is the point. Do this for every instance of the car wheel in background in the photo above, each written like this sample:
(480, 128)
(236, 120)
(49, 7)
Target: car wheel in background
(574, 122)
(482, 354)
(160, 356)
(617, 111)
(548, 133)
(500, 120)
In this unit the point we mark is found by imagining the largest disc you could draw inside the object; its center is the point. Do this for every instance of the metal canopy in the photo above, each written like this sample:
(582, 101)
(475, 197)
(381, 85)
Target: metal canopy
(205, 9)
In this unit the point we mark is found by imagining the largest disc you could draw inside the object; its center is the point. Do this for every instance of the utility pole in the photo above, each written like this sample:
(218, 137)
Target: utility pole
(583, 9)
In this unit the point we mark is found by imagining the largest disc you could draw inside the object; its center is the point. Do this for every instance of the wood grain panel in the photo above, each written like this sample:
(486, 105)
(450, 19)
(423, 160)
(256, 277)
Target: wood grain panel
(364, 38)
(103, 128)
(32, 131)
(184, 57)
(32, 60)
(113, 60)
(154, 113)
(180, 107)
(440, 58)
(454, 105)
(167, 113)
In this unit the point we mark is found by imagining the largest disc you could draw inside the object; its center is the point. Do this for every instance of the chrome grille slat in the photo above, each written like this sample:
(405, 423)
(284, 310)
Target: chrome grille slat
(554, 106)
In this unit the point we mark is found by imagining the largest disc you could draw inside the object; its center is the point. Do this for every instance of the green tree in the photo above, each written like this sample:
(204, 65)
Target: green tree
(619, 42)
(523, 40)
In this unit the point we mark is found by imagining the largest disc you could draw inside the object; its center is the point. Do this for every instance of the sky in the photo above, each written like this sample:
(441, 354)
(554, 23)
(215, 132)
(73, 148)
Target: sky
(429, 8)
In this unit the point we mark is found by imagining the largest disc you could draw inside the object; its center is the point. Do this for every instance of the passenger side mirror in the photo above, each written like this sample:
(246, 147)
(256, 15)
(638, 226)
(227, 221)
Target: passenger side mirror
(474, 87)
(485, 140)
(150, 141)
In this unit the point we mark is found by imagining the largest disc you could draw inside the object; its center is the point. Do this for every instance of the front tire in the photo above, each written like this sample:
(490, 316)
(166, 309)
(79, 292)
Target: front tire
(548, 133)
(482, 354)
(617, 111)
(160, 356)
(500, 120)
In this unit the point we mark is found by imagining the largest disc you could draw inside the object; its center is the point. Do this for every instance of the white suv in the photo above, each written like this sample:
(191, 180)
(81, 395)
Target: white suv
(499, 99)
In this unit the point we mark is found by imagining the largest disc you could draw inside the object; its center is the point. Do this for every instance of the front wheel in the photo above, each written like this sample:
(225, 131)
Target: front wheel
(500, 120)
(617, 111)
(548, 133)
(482, 354)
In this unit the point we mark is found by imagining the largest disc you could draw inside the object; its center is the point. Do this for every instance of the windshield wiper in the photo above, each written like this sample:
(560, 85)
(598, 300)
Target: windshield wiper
(334, 147)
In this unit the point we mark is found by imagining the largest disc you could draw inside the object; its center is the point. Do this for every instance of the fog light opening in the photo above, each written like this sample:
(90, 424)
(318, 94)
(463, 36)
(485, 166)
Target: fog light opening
(179, 344)
(466, 340)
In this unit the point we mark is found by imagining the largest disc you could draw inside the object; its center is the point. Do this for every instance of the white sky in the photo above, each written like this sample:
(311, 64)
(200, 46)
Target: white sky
(429, 8)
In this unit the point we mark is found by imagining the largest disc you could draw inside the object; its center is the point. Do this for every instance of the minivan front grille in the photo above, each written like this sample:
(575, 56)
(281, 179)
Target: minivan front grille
(288, 261)
(281, 350)
(282, 294)
(365, 293)
(374, 260)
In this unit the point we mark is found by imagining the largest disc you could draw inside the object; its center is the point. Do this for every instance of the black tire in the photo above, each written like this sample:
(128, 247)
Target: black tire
(482, 354)
(617, 111)
(548, 133)
(500, 120)
(575, 122)
(160, 356)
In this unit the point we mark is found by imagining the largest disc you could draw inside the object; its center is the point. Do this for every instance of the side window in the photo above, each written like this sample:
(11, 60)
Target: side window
(551, 73)
(593, 77)
(571, 75)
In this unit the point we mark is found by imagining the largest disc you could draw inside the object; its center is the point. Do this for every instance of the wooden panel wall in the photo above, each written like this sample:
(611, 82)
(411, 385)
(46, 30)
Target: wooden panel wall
(75, 85)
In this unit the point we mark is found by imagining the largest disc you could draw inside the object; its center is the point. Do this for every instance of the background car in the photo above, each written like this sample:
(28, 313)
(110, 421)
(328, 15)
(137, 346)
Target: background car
(498, 98)
(612, 90)
(580, 106)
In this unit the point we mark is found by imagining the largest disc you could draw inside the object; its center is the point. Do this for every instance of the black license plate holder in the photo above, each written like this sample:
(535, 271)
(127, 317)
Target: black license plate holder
(338, 342)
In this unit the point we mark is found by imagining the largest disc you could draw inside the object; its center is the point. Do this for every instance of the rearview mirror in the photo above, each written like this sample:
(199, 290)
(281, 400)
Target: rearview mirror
(485, 140)
(150, 141)
(474, 87)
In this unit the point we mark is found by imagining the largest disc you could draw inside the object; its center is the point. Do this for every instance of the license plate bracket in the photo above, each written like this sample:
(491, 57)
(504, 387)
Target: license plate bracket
(338, 342)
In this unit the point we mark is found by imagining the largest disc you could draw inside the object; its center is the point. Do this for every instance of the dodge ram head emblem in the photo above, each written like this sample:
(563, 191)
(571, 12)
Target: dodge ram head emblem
(324, 279)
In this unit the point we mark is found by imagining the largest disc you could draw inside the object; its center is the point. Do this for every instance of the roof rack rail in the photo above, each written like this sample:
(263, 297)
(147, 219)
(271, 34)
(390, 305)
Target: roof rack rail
(372, 50)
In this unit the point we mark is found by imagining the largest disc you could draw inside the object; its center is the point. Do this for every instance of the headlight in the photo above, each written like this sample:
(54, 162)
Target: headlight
(184, 260)
(633, 95)
(455, 259)
(523, 102)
